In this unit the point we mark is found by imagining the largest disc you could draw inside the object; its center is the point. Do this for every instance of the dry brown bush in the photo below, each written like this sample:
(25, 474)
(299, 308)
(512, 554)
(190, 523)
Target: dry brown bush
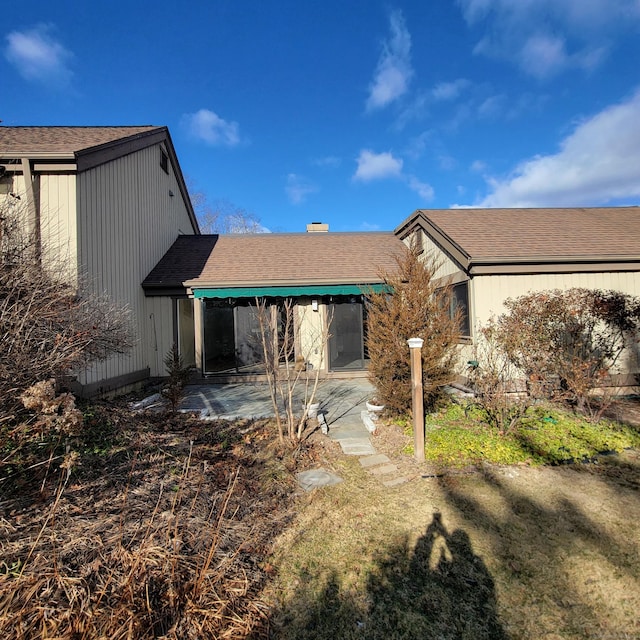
(50, 326)
(568, 343)
(500, 396)
(415, 306)
(165, 537)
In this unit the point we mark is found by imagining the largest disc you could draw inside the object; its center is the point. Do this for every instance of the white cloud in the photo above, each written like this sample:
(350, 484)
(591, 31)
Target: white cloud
(418, 145)
(449, 90)
(38, 56)
(377, 166)
(394, 70)
(598, 163)
(543, 55)
(423, 189)
(207, 126)
(547, 37)
(447, 162)
(298, 188)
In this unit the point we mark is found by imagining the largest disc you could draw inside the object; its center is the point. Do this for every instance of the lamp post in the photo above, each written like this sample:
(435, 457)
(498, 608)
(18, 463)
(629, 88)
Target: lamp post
(415, 346)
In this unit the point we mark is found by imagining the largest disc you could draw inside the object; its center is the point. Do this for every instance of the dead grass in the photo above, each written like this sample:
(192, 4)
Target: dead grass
(165, 538)
(494, 552)
(184, 529)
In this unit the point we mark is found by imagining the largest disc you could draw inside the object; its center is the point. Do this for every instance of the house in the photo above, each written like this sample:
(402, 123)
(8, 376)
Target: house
(489, 255)
(217, 279)
(110, 201)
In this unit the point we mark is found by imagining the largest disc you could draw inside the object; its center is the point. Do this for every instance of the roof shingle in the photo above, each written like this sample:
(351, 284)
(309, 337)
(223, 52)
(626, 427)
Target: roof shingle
(23, 141)
(551, 234)
(272, 259)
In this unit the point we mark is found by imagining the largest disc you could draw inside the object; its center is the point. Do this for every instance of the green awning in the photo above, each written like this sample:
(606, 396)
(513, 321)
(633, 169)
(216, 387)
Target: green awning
(316, 290)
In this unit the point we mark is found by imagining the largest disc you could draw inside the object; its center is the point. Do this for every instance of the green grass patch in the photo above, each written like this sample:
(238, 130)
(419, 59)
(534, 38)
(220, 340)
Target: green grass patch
(546, 435)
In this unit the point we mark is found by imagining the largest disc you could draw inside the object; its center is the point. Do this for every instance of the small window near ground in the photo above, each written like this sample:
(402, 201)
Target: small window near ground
(164, 161)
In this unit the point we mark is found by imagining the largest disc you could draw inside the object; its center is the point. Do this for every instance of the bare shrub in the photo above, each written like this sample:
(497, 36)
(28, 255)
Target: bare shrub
(49, 327)
(566, 343)
(286, 363)
(413, 306)
(500, 396)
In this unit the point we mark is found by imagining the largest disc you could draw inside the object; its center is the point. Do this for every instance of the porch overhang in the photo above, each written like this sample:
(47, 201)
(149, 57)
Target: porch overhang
(289, 291)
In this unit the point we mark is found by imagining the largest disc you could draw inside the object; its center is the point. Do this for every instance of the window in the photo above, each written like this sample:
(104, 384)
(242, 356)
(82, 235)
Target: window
(460, 302)
(164, 161)
(6, 185)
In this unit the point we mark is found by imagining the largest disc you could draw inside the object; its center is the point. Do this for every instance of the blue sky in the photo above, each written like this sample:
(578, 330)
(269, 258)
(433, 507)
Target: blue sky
(352, 113)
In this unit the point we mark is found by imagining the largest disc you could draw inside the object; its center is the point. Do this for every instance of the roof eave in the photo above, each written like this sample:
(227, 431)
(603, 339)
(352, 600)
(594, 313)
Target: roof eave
(38, 155)
(209, 284)
(418, 220)
(551, 264)
(94, 156)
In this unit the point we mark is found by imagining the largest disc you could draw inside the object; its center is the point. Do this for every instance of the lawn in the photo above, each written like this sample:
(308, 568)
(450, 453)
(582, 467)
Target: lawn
(480, 551)
(176, 528)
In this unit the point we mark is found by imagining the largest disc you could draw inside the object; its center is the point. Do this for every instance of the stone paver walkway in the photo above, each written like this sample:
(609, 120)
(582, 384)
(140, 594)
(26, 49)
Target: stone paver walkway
(354, 436)
(342, 402)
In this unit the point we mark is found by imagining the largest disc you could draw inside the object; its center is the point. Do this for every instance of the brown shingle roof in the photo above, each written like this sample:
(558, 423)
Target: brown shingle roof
(184, 260)
(297, 258)
(603, 233)
(272, 259)
(24, 141)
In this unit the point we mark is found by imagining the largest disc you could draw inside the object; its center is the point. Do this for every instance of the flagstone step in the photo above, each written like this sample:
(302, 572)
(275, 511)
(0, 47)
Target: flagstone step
(374, 461)
(395, 482)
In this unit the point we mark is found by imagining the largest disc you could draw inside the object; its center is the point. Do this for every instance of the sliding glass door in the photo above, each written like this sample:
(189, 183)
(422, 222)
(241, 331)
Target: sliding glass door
(346, 344)
(231, 338)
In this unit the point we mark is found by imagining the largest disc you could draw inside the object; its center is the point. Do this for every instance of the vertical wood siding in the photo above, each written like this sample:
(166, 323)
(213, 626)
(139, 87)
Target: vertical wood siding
(58, 220)
(311, 325)
(445, 265)
(127, 221)
(56, 196)
(490, 292)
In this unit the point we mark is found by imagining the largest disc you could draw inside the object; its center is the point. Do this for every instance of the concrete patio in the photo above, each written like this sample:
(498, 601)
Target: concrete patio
(342, 402)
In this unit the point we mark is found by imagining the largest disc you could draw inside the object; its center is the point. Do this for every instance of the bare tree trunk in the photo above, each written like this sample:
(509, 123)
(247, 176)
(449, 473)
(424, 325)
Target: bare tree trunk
(271, 368)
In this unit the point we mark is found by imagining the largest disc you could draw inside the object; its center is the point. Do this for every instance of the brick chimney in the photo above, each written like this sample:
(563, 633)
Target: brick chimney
(317, 227)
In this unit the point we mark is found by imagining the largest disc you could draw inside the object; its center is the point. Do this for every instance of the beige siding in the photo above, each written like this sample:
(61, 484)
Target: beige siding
(186, 331)
(445, 265)
(128, 220)
(489, 293)
(158, 333)
(58, 219)
(21, 206)
(56, 198)
(311, 329)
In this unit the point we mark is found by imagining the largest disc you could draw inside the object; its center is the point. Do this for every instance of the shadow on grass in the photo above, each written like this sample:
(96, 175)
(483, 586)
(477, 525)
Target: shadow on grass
(576, 576)
(437, 589)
